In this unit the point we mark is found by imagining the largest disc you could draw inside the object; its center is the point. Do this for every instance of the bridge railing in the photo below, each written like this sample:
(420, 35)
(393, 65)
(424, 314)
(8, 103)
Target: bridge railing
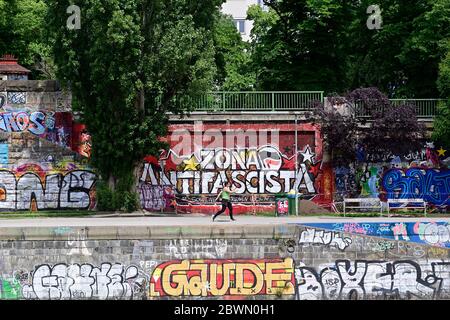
(272, 101)
(228, 101)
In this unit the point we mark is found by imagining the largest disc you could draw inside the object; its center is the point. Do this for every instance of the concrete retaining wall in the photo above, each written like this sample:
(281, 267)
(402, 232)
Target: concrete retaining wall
(214, 262)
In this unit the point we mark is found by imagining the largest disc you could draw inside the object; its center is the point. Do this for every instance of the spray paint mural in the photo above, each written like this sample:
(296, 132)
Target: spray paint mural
(420, 175)
(34, 191)
(52, 126)
(430, 233)
(38, 169)
(342, 279)
(223, 278)
(363, 279)
(305, 263)
(432, 185)
(259, 163)
(86, 281)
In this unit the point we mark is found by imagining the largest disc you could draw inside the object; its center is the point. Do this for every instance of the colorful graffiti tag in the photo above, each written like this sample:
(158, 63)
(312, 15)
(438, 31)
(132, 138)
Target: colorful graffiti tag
(432, 185)
(10, 289)
(223, 278)
(362, 279)
(81, 140)
(86, 281)
(196, 169)
(52, 126)
(251, 170)
(431, 233)
(39, 190)
(421, 175)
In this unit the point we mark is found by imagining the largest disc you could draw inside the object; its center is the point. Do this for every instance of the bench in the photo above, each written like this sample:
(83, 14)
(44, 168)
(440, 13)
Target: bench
(363, 203)
(407, 204)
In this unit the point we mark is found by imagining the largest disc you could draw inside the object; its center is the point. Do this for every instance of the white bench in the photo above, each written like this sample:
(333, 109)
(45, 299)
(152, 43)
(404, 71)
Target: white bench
(363, 203)
(407, 204)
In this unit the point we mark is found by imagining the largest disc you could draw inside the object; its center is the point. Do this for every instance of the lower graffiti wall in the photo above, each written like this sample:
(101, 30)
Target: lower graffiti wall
(285, 262)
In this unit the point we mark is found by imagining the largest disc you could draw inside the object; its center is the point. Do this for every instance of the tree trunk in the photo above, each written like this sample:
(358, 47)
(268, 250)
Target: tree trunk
(135, 185)
(112, 182)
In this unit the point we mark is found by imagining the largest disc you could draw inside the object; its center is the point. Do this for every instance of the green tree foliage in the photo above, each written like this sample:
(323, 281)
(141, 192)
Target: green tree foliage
(326, 45)
(232, 57)
(401, 58)
(300, 45)
(441, 130)
(125, 66)
(23, 33)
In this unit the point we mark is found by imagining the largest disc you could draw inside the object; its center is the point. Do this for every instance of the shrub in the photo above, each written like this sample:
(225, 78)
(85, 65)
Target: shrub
(130, 201)
(106, 198)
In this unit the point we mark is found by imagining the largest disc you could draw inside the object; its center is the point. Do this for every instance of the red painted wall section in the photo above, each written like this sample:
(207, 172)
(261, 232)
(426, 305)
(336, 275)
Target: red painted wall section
(81, 140)
(258, 158)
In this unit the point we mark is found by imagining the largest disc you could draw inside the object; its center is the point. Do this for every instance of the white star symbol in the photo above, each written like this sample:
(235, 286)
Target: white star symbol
(307, 155)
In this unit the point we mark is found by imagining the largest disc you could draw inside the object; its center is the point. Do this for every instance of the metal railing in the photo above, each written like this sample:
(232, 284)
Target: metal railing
(227, 101)
(425, 108)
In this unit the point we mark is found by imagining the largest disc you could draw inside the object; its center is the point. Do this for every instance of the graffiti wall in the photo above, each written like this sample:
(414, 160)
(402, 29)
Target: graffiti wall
(363, 279)
(381, 261)
(223, 278)
(302, 262)
(85, 281)
(46, 177)
(52, 126)
(37, 174)
(259, 159)
(42, 165)
(31, 191)
(421, 175)
(431, 233)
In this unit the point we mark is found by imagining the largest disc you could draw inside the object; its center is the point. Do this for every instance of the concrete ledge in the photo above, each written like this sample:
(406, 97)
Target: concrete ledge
(152, 232)
(30, 85)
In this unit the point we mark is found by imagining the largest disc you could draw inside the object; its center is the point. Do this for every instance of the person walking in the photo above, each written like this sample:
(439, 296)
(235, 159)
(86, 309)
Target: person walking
(226, 200)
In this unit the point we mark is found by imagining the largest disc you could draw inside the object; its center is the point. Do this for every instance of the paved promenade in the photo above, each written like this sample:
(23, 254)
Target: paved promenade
(120, 221)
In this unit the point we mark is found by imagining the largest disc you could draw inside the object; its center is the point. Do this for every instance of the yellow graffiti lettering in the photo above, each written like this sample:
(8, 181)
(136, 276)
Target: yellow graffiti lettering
(283, 280)
(203, 278)
(197, 285)
(215, 270)
(169, 277)
(257, 284)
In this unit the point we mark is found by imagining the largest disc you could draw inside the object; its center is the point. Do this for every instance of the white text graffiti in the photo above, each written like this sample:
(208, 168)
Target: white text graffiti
(374, 280)
(254, 171)
(71, 190)
(85, 281)
(331, 238)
